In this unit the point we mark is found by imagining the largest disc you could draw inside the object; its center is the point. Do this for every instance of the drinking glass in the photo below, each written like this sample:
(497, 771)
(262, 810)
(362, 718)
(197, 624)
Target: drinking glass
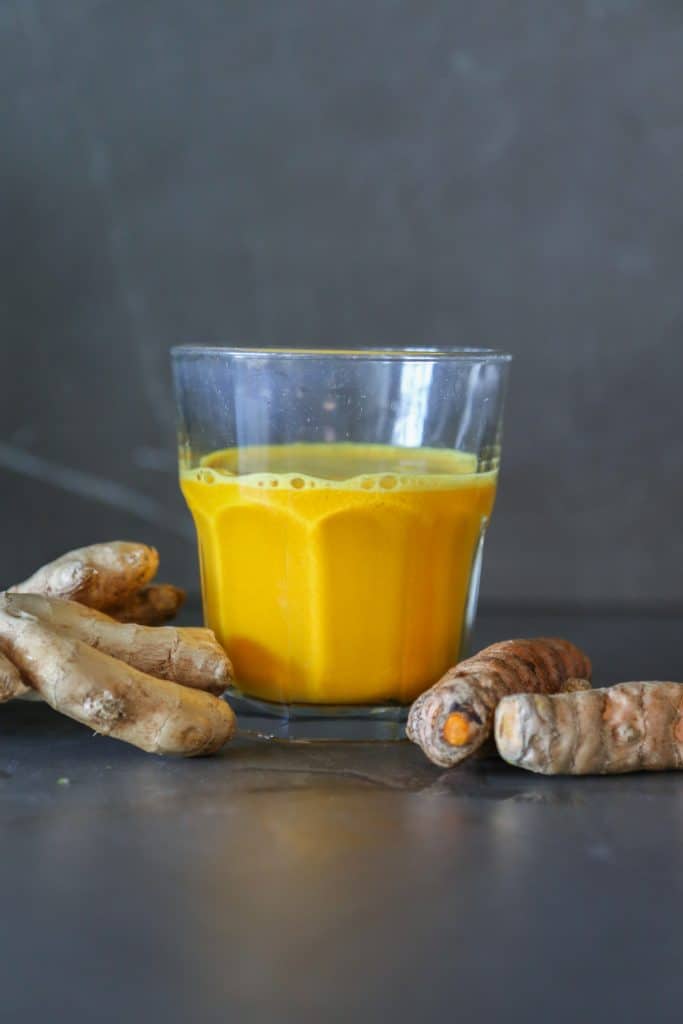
(341, 500)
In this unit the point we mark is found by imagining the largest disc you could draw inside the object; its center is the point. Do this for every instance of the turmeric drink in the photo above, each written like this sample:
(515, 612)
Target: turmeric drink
(338, 573)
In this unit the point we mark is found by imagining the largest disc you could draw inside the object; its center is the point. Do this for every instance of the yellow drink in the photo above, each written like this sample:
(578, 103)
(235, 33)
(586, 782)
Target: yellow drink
(338, 573)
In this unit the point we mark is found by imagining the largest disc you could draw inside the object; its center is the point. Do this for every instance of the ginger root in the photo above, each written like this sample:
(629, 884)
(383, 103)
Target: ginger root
(629, 727)
(100, 576)
(11, 683)
(454, 718)
(111, 696)
(113, 577)
(135, 682)
(151, 605)
(192, 657)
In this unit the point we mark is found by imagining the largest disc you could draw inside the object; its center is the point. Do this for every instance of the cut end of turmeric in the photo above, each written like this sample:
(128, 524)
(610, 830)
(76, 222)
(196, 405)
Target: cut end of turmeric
(457, 730)
(507, 731)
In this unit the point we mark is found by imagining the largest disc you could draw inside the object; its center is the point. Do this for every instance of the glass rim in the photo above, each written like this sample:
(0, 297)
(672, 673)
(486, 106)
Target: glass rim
(396, 353)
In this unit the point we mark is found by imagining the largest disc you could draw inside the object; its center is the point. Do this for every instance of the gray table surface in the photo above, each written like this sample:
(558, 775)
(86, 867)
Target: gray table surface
(332, 882)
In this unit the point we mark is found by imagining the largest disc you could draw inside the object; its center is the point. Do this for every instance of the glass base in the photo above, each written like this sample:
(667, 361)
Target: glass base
(306, 722)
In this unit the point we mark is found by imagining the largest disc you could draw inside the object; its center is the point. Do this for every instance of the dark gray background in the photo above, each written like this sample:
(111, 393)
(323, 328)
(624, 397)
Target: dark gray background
(506, 174)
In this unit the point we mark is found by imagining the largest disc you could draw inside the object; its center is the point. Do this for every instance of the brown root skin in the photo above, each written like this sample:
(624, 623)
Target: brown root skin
(192, 657)
(110, 696)
(11, 683)
(100, 576)
(153, 605)
(575, 686)
(629, 727)
(453, 718)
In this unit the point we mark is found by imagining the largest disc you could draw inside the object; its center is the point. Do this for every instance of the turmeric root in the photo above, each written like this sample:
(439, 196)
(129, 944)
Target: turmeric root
(11, 683)
(630, 727)
(112, 697)
(192, 657)
(453, 718)
(101, 576)
(153, 605)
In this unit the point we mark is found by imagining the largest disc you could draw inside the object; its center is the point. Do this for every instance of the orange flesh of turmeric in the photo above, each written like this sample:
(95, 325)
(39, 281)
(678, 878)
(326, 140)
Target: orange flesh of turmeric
(456, 730)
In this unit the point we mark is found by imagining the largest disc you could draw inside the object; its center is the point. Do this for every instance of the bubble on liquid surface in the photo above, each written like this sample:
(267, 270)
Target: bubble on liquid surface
(388, 481)
(298, 482)
(206, 476)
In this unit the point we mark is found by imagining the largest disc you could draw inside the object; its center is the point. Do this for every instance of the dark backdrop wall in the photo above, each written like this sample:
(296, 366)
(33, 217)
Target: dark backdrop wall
(505, 174)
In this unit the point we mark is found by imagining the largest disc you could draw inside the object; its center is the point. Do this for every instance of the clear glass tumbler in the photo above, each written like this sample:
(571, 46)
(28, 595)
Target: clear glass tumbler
(341, 500)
